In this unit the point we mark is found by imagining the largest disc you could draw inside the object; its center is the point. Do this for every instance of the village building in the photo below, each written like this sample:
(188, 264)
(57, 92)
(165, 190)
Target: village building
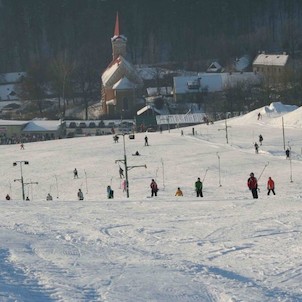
(14, 131)
(121, 83)
(273, 67)
(193, 88)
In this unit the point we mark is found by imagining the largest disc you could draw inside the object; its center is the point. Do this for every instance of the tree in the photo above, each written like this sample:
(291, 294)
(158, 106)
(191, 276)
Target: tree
(62, 68)
(86, 76)
(34, 85)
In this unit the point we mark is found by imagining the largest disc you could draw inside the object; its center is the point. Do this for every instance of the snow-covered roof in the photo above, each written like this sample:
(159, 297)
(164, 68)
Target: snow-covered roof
(271, 60)
(8, 92)
(242, 63)
(42, 126)
(123, 84)
(214, 67)
(11, 77)
(119, 37)
(144, 109)
(119, 68)
(153, 91)
(195, 118)
(12, 123)
(213, 82)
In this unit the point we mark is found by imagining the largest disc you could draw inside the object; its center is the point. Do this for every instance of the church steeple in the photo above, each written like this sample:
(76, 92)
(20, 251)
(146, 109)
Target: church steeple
(117, 26)
(119, 42)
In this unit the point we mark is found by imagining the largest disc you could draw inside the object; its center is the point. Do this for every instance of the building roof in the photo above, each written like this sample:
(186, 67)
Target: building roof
(213, 82)
(195, 118)
(12, 123)
(11, 77)
(42, 126)
(7, 92)
(118, 69)
(123, 84)
(271, 60)
(215, 67)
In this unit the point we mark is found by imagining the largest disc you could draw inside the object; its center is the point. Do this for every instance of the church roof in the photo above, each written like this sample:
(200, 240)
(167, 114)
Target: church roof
(118, 69)
(123, 84)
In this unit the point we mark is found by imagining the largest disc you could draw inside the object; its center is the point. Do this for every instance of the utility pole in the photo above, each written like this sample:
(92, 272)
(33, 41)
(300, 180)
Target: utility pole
(21, 162)
(219, 169)
(226, 130)
(283, 133)
(127, 168)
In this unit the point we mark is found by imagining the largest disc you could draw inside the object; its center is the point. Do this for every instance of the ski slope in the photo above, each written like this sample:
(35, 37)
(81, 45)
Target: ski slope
(224, 247)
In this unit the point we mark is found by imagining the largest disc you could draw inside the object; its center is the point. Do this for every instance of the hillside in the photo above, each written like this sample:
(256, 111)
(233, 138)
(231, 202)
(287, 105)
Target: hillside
(188, 34)
(223, 247)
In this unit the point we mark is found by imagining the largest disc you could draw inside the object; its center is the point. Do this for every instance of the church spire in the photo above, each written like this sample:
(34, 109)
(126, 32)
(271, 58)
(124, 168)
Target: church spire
(117, 26)
(118, 41)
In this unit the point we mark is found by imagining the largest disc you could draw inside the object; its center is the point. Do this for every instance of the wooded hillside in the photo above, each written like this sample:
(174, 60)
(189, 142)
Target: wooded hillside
(185, 32)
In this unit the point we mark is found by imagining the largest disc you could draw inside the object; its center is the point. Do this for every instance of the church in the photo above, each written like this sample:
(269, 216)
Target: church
(121, 84)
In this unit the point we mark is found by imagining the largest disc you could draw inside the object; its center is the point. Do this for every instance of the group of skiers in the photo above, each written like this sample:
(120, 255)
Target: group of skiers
(252, 184)
(198, 188)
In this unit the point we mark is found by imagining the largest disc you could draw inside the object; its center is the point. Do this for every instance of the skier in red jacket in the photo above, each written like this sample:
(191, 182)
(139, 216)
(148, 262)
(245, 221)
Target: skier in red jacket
(253, 185)
(270, 186)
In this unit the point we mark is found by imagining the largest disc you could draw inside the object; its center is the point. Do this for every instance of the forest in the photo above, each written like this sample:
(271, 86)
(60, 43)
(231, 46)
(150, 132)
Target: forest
(185, 33)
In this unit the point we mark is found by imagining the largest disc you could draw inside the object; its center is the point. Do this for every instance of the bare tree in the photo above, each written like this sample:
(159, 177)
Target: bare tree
(62, 69)
(33, 87)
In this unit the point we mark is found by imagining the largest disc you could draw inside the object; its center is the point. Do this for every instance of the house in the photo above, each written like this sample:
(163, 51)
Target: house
(48, 129)
(8, 85)
(215, 67)
(121, 83)
(193, 88)
(272, 66)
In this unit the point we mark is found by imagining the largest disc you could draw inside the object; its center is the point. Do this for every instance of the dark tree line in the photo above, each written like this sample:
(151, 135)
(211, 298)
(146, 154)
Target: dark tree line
(185, 32)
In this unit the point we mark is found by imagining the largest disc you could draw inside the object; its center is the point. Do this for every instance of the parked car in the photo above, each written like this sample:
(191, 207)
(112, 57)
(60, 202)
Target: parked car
(92, 125)
(72, 125)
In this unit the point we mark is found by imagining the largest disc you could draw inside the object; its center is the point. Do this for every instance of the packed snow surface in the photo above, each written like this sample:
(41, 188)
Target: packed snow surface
(225, 246)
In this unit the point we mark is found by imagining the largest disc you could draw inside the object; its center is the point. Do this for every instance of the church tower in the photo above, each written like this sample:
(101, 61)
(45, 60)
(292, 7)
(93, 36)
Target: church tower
(119, 42)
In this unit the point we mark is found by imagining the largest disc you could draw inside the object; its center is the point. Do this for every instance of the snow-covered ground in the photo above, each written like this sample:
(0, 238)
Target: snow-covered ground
(225, 246)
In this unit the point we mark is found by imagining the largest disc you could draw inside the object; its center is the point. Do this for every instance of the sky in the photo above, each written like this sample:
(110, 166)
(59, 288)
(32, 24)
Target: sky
(224, 247)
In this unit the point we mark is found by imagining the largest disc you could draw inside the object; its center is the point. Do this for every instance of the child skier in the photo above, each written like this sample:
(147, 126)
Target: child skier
(80, 195)
(270, 186)
(179, 192)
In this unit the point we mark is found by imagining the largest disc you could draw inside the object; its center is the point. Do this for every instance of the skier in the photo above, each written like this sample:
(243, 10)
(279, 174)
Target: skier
(124, 185)
(154, 188)
(75, 173)
(7, 197)
(179, 192)
(121, 172)
(198, 188)
(109, 192)
(287, 153)
(22, 146)
(80, 195)
(253, 185)
(260, 139)
(27, 198)
(259, 116)
(116, 138)
(256, 148)
(146, 141)
(270, 186)
(136, 154)
(48, 197)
